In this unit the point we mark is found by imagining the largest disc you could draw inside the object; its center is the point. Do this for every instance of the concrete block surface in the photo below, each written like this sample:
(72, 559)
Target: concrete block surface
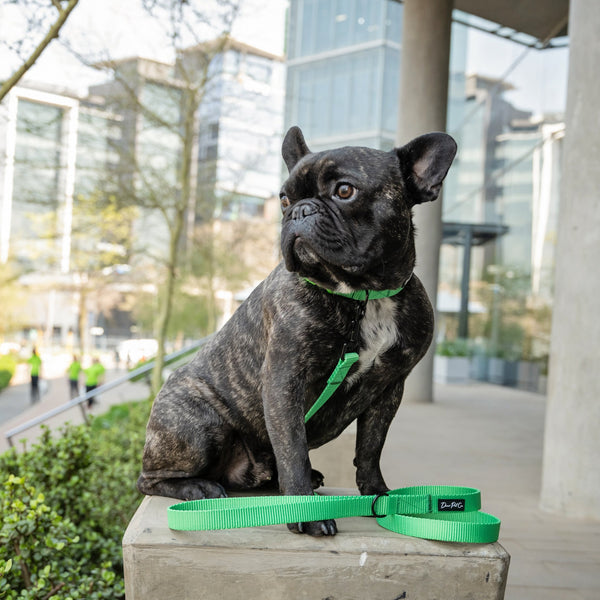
(363, 561)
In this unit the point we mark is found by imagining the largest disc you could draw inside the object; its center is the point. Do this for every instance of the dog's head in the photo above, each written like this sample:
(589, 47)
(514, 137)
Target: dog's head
(347, 213)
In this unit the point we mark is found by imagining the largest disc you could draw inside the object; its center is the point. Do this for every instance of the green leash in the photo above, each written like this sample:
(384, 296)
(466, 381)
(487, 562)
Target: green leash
(444, 513)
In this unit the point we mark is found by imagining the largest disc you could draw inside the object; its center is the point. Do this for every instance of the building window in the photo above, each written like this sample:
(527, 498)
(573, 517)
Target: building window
(258, 69)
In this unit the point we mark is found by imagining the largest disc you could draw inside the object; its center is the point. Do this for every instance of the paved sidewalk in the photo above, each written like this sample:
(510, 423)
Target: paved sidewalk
(491, 438)
(16, 408)
(477, 435)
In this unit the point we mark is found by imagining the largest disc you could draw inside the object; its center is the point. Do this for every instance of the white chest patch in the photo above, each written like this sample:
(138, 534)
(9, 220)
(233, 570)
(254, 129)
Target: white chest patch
(379, 333)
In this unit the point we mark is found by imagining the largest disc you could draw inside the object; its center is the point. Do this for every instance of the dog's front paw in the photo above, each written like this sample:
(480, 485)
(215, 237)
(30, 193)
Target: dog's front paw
(372, 490)
(315, 528)
(316, 479)
(370, 482)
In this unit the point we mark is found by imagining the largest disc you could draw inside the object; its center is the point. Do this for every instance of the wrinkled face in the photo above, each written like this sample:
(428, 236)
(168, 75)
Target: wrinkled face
(342, 211)
(347, 213)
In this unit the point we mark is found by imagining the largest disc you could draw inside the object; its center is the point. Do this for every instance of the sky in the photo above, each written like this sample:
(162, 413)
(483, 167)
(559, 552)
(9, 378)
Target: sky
(119, 28)
(105, 29)
(540, 79)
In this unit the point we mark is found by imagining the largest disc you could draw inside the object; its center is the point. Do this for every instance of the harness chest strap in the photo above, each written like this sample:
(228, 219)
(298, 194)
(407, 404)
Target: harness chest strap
(333, 383)
(348, 358)
(444, 513)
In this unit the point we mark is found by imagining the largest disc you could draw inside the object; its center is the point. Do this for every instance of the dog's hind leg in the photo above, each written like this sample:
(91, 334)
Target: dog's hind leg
(183, 488)
(181, 466)
(186, 443)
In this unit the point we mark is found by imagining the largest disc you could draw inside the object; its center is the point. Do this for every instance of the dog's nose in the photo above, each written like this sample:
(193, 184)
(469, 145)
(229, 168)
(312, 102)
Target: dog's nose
(303, 210)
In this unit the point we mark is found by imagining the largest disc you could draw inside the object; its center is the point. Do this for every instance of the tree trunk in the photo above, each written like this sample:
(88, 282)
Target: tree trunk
(165, 305)
(82, 320)
(190, 105)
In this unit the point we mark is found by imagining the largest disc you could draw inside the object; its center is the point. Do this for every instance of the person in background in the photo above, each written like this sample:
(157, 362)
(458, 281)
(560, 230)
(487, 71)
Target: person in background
(74, 370)
(35, 363)
(93, 376)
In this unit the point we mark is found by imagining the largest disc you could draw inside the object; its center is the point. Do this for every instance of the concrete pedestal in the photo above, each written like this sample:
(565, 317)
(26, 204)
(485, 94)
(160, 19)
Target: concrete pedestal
(269, 563)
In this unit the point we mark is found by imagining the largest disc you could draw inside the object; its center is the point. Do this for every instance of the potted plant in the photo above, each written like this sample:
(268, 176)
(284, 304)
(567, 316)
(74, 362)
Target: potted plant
(452, 361)
(528, 372)
(480, 360)
(503, 367)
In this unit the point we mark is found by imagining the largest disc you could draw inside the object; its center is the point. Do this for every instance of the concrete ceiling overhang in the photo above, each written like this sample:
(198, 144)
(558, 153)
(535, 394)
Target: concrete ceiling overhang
(542, 19)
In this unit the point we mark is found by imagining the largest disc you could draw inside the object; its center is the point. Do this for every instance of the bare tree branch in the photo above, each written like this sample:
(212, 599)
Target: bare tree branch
(53, 32)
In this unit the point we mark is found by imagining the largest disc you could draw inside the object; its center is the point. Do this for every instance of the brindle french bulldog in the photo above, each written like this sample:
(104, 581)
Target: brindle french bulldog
(233, 418)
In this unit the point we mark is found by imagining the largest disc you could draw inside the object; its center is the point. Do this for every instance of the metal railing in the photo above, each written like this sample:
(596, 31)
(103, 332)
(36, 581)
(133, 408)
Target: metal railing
(101, 389)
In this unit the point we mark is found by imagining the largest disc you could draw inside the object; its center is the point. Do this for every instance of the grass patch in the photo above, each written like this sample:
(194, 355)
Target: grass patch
(8, 365)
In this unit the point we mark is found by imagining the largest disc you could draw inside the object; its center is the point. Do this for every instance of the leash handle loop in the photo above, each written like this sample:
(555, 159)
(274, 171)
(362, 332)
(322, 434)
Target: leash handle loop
(445, 513)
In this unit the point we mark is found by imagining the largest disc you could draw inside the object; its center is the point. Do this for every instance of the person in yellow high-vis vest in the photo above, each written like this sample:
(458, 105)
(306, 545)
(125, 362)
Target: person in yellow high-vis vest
(93, 377)
(35, 363)
(73, 371)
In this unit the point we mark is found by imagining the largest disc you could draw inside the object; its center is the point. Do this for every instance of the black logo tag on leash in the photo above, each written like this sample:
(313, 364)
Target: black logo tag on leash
(454, 505)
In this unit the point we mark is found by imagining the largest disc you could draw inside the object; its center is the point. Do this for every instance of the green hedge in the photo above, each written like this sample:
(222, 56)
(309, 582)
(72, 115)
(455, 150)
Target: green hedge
(65, 504)
(8, 364)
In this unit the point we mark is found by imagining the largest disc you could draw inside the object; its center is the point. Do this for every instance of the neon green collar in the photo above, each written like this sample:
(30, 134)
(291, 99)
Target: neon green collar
(361, 295)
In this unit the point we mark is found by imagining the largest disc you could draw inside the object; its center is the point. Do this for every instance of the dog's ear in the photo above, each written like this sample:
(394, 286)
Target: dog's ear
(294, 147)
(424, 163)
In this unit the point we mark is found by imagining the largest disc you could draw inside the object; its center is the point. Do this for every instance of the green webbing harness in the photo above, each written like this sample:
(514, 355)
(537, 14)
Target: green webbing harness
(333, 383)
(348, 358)
(445, 513)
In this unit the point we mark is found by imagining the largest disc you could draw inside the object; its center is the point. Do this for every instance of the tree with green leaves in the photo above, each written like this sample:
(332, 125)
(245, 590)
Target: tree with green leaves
(100, 244)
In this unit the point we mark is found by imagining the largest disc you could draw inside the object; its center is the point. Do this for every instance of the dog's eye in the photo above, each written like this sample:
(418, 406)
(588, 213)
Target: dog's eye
(345, 191)
(285, 201)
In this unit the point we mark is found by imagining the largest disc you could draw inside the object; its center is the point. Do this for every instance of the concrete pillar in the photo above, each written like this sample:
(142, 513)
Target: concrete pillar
(423, 101)
(570, 478)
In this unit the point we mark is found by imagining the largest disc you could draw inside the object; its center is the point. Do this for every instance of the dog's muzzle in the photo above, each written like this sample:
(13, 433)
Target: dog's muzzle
(303, 209)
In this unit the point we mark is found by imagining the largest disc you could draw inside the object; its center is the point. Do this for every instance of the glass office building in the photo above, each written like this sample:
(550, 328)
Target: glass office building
(64, 158)
(343, 66)
(40, 158)
(240, 124)
(54, 149)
